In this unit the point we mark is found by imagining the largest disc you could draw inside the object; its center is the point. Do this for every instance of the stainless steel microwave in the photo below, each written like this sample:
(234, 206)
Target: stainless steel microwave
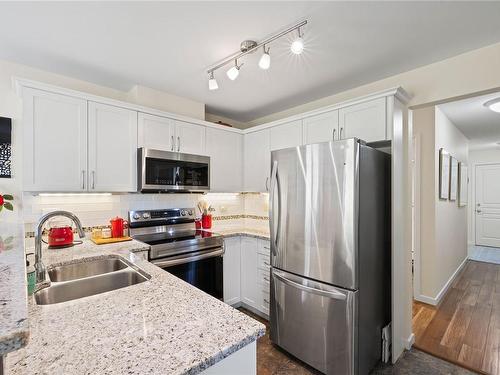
(165, 171)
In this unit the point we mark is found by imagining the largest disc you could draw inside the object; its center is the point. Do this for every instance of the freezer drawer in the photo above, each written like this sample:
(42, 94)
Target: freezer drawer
(314, 322)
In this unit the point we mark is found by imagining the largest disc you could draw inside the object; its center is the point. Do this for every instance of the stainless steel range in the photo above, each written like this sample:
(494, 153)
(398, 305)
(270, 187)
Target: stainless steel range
(194, 256)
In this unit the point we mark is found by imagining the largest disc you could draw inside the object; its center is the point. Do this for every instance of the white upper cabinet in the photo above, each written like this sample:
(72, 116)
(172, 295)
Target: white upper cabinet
(55, 142)
(156, 132)
(321, 128)
(189, 138)
(366, 121)
(112, 135)
(225, 149)
(286, 135)
(256, 161)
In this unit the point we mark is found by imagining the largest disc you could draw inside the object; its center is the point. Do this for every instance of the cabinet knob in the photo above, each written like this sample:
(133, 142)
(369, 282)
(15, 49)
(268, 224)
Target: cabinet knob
(340, 133)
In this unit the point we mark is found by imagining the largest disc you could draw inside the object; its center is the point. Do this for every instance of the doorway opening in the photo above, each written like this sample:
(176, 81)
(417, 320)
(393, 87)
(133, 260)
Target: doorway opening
(455, 202)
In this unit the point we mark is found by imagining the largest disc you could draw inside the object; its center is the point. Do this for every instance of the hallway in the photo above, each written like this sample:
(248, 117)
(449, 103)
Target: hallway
(465, 327)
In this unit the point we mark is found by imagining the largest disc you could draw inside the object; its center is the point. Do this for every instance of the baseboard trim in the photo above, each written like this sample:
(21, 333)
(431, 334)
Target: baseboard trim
(437, 300)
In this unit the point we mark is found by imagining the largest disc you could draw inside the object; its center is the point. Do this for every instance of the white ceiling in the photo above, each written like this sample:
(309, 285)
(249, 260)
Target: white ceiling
(477, 122)
(169, 45)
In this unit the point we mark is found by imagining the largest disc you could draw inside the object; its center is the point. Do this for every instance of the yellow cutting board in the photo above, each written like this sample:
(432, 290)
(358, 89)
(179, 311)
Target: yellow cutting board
(103, 241)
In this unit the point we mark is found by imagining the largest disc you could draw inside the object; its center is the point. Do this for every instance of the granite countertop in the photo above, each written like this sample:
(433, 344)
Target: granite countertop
(162, 325)
(14, 328)
(243, 231)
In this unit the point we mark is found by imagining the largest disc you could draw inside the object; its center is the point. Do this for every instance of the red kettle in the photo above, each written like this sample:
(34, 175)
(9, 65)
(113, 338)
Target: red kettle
(61, 236)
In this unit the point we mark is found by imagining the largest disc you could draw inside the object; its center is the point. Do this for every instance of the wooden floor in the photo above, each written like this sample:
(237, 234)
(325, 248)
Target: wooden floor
(465, 327)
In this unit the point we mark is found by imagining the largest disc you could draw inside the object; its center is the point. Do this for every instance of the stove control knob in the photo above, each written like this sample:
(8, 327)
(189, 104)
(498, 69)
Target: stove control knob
(183, 213)
(137, 216)
(190, 212)
(146, 215)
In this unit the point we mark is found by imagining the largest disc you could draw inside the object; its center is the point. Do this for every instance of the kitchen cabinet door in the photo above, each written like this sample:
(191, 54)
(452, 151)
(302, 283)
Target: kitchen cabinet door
(250, 291)
(225, 149)
(286, 135)
(366, 121)
(55, 142)
(189, 138)
(321, 128)
(155, 132)
(232, 276)
(112, 148)
(256, 161)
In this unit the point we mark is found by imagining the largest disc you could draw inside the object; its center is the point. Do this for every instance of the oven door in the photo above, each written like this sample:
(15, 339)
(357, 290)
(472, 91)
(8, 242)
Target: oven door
(172, 171)
(203, 269)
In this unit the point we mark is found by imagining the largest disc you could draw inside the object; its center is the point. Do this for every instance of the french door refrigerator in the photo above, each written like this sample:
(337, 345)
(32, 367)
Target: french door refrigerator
(330, 254)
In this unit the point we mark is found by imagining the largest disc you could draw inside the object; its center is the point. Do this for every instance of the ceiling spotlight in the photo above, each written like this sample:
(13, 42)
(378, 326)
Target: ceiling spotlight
(233, 73)
(212, 82)
(298, 44)
(494, 105)
(265, 59)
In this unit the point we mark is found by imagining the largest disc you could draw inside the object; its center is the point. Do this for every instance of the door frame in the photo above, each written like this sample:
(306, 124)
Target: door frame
(415, 164)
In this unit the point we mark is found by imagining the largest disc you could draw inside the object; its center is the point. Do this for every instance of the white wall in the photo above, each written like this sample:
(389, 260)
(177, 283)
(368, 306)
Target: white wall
(443, 225)
(477, 157)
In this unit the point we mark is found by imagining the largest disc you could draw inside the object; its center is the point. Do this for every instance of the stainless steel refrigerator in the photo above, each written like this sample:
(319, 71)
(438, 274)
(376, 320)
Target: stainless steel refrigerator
(330, 254)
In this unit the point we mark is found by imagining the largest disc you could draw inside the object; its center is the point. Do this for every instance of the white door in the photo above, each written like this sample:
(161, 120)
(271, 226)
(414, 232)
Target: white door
(155, 132)
(488, 205)
(321, 128)
(189, 138)
(55, 142)
(112, 148)
(232, 276)
(366, 121)
(225, 149)
(257, 160)
(249, 272)
(286, 135)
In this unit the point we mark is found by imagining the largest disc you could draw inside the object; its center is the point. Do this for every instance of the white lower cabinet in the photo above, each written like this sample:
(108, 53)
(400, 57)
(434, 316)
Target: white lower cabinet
(249, 272)
(231, 269)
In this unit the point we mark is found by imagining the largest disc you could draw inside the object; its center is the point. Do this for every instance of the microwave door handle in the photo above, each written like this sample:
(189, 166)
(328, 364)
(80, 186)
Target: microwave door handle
(323, 293)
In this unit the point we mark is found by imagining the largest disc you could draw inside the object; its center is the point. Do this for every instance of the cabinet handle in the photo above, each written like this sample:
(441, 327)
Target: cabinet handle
(93, 179)
(178, 144)
(266, 301)
(266, 279)
(333, 135)
(83, 179)
(172, 143)
(266, 264)
(267, 183)
(340, 133)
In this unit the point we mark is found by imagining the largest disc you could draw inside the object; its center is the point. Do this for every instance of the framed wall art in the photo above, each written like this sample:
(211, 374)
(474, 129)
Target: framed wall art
(453, 178)
(444, 174)
(5, 147)
(463, 187)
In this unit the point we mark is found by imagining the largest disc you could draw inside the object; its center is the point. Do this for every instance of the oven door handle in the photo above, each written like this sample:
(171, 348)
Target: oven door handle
(188, 258)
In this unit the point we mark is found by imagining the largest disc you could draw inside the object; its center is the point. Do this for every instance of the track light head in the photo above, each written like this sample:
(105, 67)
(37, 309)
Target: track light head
(265, 59)
(212, 82)
(233, 73)
(297, 46)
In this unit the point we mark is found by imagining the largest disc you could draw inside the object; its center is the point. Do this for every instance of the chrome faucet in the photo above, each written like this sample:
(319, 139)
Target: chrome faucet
(39, 266)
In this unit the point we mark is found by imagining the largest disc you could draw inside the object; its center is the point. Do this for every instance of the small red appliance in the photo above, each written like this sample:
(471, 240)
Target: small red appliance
(117, 225)
(61, 236)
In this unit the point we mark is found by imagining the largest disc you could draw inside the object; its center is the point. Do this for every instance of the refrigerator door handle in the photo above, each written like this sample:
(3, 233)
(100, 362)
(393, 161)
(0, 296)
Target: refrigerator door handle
(324, 293)
(275, 183)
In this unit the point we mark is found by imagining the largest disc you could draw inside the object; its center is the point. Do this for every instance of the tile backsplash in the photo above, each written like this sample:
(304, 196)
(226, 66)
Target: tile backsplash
(231, 209)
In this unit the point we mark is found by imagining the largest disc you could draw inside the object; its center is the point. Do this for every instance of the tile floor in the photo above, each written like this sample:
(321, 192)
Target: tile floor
(484, 254)
(273, 361)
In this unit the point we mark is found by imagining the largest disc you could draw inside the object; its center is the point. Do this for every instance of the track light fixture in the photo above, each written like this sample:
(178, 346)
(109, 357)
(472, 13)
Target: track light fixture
(250, 46)
(265, 59)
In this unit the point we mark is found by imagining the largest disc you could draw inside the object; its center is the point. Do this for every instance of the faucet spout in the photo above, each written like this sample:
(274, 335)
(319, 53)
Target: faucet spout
(39, 266)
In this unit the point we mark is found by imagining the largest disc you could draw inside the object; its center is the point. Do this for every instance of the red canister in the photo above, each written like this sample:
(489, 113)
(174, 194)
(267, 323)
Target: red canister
(117, 225)
(206, 221)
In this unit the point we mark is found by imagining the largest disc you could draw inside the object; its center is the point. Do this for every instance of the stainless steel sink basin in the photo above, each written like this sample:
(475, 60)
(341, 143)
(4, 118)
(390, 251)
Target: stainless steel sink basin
(85, 269)
(88, 278)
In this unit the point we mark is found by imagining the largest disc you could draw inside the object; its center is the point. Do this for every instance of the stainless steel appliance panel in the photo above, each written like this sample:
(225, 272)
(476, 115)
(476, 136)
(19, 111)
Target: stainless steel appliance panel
(313, 211)
(314, 322)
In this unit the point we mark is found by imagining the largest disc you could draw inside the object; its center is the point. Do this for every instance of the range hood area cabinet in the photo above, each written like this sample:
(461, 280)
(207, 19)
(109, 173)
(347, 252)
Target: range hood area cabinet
(166, 134)
(75, 145)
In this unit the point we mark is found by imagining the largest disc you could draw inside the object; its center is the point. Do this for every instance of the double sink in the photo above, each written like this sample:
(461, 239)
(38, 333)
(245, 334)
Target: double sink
(87, 278)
